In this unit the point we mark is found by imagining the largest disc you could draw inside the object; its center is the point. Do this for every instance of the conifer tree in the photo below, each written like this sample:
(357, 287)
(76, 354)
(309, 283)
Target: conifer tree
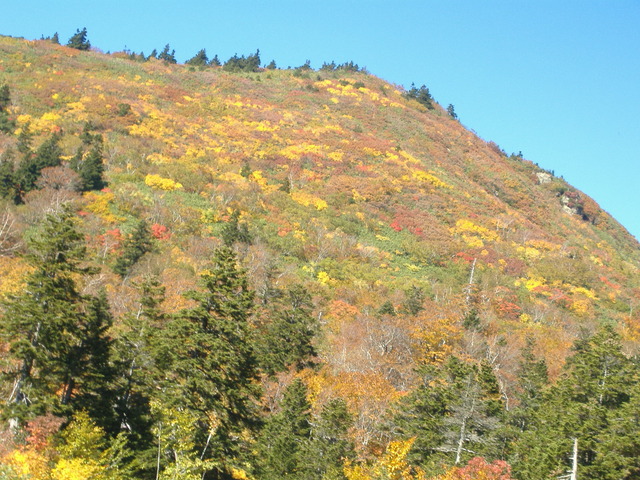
(169, 57)
(139, 375)
(285, 436)
(285, 338)
(79, 40)
(91, 169)
(329, 447)
(7, 125)
(200, 59)
(48, 155)
(135, 246)
(208, 358)
(58, 346)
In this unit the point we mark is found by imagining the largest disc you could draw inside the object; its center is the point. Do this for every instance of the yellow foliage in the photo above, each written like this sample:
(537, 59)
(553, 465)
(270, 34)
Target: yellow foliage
(336, 156)
(74, 469)
(159, 183)
(528, 253)
(392, 465)
(436, 341)
(423, 176)
(100, 204)
(12, 274)
(467, 226)
(324, 278)
(28, 463)
(294, 152)
(306, 199)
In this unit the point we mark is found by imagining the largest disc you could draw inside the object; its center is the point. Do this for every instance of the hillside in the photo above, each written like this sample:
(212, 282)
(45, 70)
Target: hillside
(416, 241)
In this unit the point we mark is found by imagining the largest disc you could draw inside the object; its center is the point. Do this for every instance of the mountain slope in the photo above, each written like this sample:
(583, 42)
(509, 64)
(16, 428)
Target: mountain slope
(402, 224)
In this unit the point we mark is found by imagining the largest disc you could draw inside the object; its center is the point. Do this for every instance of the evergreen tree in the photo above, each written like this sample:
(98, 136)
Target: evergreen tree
(134, 247)
(451, 111)
(215, 61)
(55, 335)
(49, 154)
(139, 375)
(7, 177)
(233, 231)
(593, 389)
(55, 39)
(208, 358)
(282, 443)
(7, 125)
(166, 56)
(414, 300)
(329, 446)
(421, 95)
(90, 168)
(200, 59)
(285, 339)
(79, 40)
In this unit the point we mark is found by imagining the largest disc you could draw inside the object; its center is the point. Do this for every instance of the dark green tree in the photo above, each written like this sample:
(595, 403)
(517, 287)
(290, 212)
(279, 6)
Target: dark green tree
(7, 176)
(200, 59)
(57, 340)
(134, 247)
(233, 231)
(284, 338)
(329, 447)
(90, 167)
(215, 61)
(165, 55)
(7, 124)
(48, 155)
(451, 111)
(421, 95)
(285, 436)
(414, 301)
(594, 388)
(79, 40)
(207, 355)
(137, 359)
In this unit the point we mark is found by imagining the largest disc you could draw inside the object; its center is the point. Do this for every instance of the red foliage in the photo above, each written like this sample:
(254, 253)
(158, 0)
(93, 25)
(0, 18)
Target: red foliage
(396, 226)
(160, 232)
(479, 469)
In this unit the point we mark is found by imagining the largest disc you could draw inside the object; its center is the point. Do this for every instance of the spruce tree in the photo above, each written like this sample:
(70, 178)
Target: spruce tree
(7, 125)
(284, 338)
(282, 443)
(91, 169)
(56, 336)
(135, 246)
(329, 447)
(200, 59)
(79, 40)
(208, 358)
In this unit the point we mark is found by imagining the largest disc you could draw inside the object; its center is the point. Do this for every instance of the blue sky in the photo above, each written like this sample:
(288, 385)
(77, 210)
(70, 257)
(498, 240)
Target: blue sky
(557, 80)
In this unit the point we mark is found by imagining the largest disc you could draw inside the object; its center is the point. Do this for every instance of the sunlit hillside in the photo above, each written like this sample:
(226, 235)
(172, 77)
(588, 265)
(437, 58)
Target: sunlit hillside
(402, 239)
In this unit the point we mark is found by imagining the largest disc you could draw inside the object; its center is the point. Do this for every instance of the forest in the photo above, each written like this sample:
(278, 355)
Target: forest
(220, 270)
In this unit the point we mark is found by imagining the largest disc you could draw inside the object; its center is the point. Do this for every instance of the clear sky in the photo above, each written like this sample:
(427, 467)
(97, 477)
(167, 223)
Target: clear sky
(558, 80)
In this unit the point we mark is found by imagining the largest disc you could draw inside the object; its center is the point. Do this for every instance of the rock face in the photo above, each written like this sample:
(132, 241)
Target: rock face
(543, 177)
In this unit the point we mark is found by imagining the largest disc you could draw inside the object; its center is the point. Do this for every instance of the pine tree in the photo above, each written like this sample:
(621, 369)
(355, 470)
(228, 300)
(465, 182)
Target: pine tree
(49, 154)
(135, 246)
(593, 389)
(79, 40)
(166, 56)
(200, 59)
(7, 125)
(208, 358)
(285, 338)
(329, 447)
(283, 440)
(91, 169)
(56, 336)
